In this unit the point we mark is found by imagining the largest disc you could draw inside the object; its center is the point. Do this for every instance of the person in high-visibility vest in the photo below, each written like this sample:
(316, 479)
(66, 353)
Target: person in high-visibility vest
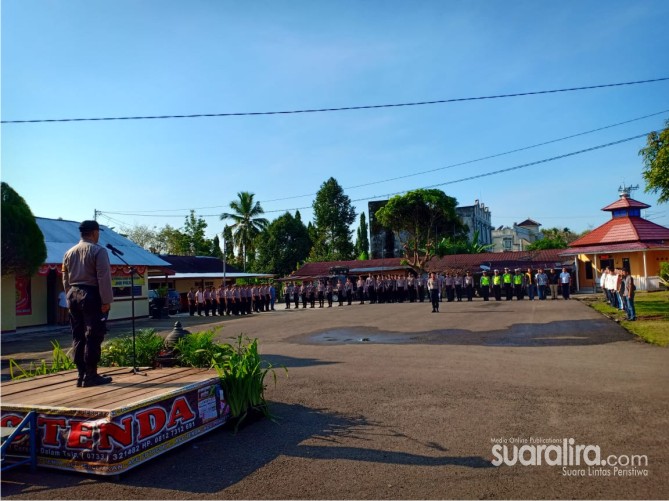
(485, 286)
(497, 285)
(507, 280)
(518, 284)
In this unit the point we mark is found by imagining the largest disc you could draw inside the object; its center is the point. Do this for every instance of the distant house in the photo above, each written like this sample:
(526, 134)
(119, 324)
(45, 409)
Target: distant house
(625, 241)
(32, 301)
(516, 238)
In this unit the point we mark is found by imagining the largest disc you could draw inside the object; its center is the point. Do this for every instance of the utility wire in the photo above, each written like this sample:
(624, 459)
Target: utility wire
(422, 172)
(469, 178)
(477, 159)
(346, 108)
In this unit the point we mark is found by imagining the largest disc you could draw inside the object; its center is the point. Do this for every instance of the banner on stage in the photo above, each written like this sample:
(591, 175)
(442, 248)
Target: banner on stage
(110, 443)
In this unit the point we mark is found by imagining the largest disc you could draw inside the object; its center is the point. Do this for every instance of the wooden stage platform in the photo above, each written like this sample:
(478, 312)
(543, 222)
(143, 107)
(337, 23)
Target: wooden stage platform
(109, 429)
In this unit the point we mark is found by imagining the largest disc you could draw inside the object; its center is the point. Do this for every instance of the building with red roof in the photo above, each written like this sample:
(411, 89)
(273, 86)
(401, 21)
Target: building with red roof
(625, 241)
(474, 263)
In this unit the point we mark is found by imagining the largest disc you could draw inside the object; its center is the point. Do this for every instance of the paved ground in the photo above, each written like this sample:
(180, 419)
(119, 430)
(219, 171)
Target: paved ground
(391, 401)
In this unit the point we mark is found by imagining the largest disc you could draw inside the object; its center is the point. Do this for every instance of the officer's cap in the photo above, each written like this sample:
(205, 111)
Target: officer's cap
(88, 226)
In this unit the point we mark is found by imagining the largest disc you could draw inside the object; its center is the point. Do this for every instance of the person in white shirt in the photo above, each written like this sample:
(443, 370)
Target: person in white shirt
(433, 287)
(565, 282)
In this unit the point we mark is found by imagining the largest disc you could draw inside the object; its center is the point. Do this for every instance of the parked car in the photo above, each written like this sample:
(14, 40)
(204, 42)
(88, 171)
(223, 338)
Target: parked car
(173, 301)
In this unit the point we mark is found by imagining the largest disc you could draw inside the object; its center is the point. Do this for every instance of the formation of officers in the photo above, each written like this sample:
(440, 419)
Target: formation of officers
(247, 299)
(231, 300)
(449, 286)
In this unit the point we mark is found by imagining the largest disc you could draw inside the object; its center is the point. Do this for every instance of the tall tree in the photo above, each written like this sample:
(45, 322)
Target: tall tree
(656, 161)
(23, 247)
(419, 219)
(193, 231)
(247, 223)
(215, 250)
(333, 215)
(229, 244)
(362, 238)
(172, 241)
(143, 236)
(283, 244)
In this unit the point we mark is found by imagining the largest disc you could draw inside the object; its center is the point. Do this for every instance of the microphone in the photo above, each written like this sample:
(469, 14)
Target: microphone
(114, 249)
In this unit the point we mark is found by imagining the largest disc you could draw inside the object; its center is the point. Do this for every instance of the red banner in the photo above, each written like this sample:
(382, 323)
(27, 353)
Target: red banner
(24, 302)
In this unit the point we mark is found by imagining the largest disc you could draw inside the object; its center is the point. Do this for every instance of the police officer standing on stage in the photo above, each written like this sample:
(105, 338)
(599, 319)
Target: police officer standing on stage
(87, 281)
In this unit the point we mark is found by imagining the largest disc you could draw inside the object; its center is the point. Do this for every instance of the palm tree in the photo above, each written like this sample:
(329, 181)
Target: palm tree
(247, 225)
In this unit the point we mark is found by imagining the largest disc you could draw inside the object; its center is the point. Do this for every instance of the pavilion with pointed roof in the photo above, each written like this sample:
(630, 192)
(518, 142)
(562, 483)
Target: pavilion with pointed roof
(625, 241)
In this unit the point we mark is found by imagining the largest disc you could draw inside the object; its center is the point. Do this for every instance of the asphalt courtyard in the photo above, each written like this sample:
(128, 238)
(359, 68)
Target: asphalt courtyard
(394, 402)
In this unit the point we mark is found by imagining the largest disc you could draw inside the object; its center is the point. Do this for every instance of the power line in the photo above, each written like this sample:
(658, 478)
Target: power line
(477, 159)
(469, 178)
(345, 108)
(418, 173)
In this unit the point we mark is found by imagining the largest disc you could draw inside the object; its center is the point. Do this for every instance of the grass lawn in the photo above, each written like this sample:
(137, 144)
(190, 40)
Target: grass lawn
(652, 313)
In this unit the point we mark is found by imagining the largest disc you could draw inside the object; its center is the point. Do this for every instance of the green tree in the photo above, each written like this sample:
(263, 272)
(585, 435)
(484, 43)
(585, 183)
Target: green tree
(462, 245)
(216, 248)
(284, 243)
(333, 215)
(193, 231)
(554, 238)
(656, 161)
(23, 247)
(229, 245)
(143, 236)
(247, 223)
(172, 241)
(362, 238)
(419, 218)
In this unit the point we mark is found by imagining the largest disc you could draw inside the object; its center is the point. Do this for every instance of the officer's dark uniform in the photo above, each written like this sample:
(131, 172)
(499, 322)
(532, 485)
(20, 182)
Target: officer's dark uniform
(87, 280)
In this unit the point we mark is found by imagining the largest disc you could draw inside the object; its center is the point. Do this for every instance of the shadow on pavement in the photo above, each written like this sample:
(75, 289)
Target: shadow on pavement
(557, 333)
(221, 458)
(279, 361)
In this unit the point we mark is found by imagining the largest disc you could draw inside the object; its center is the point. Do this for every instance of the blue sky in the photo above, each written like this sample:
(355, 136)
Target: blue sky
(88, 58)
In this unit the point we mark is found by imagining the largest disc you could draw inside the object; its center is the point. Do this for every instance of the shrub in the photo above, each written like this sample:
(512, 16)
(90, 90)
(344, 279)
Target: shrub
(61, 361)
(118, 352)
(242, 376)
(200, 350)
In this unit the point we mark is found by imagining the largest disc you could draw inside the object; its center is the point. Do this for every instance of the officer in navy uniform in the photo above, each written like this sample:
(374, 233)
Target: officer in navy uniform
(328, 293)
(87, 281)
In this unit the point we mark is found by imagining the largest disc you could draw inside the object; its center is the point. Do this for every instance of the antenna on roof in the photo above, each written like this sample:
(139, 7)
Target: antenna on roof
(624, 191)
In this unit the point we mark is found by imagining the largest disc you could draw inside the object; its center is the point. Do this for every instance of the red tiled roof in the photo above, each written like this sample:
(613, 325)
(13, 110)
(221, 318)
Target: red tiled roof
(613, 248)
(510, 259)
(513, 259)
(625, 202)
(624, 229)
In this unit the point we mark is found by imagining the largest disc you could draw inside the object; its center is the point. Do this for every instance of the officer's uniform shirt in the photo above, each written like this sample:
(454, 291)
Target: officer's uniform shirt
(88, 264)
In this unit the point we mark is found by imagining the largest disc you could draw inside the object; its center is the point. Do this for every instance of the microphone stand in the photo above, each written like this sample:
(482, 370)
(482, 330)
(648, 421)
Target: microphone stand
(133, 270)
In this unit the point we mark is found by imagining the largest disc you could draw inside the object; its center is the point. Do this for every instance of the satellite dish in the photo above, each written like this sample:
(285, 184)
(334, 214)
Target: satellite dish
(484, 267)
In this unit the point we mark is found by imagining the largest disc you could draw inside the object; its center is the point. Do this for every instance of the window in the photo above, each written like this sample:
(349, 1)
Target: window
(507, 244)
